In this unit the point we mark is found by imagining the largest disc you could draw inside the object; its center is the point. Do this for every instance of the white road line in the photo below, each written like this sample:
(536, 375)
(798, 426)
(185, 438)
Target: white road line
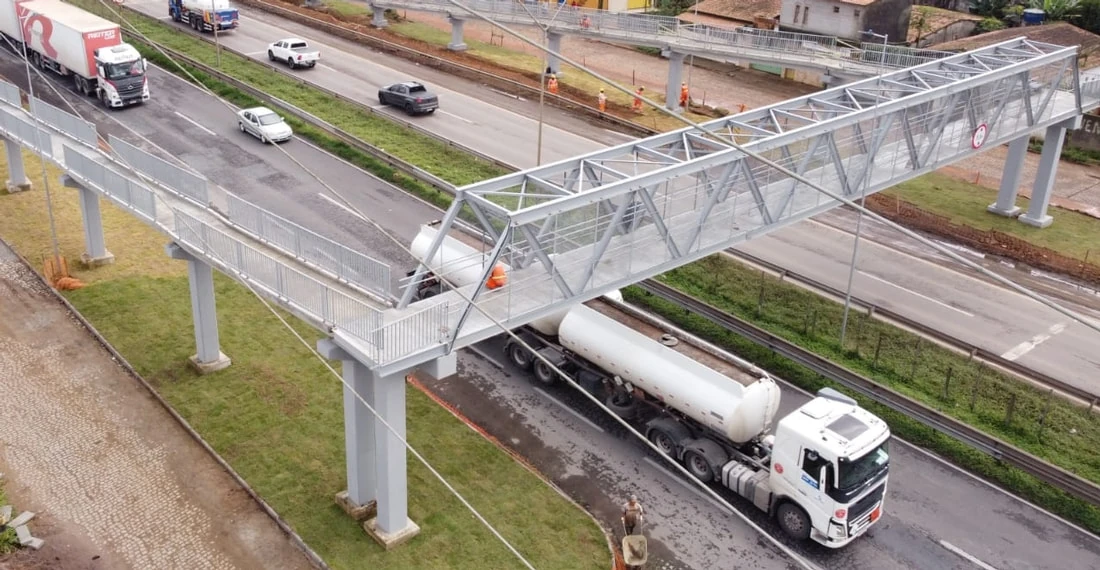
(653, 463)
(966, 555)
(910, 291)
(575, 413)
(323, 66)
(255, 53)
(341, 206)
(1026, 346)
(468, 121)
(485, 355)
(189, 120)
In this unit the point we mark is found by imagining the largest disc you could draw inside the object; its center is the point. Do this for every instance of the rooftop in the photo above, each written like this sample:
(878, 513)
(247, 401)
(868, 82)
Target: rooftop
(1058, 33)
(721, 11)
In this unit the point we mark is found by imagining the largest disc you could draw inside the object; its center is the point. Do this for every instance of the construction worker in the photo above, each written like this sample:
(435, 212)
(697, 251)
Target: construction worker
(602, 99)
(632, 515)
(586, 22)
(498, 278)
(637, 106)
(684, 95)
(552, 84)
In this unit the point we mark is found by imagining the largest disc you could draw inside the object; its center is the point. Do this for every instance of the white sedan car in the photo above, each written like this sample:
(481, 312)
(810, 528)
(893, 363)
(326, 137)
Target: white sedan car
(264, 124)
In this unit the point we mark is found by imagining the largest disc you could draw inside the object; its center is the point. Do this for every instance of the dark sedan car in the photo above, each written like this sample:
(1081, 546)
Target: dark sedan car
(411, 96)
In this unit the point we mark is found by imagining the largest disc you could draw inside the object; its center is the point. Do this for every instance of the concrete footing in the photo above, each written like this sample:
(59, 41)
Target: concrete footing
(1011, 212)
(358, 512)
(1042, 221)
(97, 261)
(15, 188)
(390, 540)
(220, 363)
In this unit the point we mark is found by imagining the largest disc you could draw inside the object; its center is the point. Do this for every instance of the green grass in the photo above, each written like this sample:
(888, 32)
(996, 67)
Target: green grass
(430, 155)
(1069, 436)
(347, 10)
(8, 541)
(1073, 234)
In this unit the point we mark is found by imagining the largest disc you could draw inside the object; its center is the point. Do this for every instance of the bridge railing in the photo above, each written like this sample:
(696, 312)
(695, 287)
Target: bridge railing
(341, 261)
(120, 189)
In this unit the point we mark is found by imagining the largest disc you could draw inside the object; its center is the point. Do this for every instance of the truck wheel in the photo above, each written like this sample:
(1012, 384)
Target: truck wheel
(290, 62)
(663, 441)
(793, 520)
(520, 356)
(270, 55)
(621, 404)
(699, 466)
(544, 374)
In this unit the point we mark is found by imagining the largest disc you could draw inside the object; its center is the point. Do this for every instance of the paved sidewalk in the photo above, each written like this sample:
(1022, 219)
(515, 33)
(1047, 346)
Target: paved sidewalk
(114, 480)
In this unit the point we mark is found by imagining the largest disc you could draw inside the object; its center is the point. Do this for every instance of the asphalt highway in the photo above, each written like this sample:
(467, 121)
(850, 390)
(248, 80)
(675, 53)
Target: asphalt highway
(933, 510)
(939, 294)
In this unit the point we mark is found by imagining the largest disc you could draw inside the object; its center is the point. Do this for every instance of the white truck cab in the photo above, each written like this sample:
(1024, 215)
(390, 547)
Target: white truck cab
(831, 457)
(121, 76)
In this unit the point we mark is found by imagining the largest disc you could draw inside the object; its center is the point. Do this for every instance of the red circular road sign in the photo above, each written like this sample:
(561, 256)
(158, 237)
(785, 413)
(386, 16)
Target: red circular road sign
(978, 138)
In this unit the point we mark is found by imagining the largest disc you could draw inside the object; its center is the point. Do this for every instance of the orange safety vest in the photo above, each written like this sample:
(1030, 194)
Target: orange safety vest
(552, 85)
(498, 278)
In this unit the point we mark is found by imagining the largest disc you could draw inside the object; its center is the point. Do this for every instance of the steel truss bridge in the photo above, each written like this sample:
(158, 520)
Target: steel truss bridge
(746, 44)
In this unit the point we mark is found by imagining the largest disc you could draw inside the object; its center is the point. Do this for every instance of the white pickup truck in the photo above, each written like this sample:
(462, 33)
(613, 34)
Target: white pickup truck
(295, 52)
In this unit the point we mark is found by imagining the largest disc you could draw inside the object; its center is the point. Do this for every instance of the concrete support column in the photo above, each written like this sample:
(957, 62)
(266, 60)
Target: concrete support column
(1044, 179)
(17, 174)
(553, 43)
(392, 525)
(378, 16)
(675, 77)
(1010, 180)
(96, 253)
(360, 500)
(458, 43)
(200, 276)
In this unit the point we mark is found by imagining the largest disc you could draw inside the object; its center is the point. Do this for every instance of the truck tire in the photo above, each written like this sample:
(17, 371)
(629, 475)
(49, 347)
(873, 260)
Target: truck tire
(290, 62)
(793, 520)
(544, 374)
(698, 465)
(270, 55)
(622, 405)
(663, 441)
(520, 356)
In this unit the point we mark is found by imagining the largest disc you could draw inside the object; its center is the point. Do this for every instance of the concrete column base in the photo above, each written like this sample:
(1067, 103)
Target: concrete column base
(358, 512)
(457, 47)
(1040, 222)
(14, 188)
(220, 363)
(391, 540)
(106, 259)
(1009, 213)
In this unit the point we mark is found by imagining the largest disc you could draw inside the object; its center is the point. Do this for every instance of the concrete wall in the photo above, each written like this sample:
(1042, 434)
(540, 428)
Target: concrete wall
(833, 18)
(948, 33)
(889, 17)
(1088, 136)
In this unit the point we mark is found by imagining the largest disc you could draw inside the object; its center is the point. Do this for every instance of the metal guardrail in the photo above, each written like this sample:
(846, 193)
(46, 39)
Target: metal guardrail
(173, 178)
(342, 262)
(977, 352)
(118, 188)
(1000, 450)
(81, 130)
(10, 94)
(30, 135)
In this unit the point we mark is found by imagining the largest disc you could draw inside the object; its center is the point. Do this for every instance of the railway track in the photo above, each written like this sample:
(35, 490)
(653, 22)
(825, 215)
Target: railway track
(1002, 451)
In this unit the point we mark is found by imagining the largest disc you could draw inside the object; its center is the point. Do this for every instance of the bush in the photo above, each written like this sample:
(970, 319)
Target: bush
(990, 25)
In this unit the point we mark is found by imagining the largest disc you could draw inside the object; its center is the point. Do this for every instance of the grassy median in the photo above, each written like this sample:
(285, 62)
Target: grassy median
(276, 414)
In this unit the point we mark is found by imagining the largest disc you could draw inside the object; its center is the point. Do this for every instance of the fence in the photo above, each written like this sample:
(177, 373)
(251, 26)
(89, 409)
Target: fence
(10, 94)
(178, 180)
(83, 131)
(897, 56)
(119, 188)
(30, 135)
(317, 300)
(346, 264)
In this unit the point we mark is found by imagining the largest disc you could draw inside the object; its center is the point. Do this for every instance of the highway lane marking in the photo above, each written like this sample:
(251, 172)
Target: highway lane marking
(1028, 345)
(468, 121)
(190, 120)
(653, 463)
(966, 555)
(342, 207)
(910, 291)
(323, 66)
(575, 413)
(485, 355)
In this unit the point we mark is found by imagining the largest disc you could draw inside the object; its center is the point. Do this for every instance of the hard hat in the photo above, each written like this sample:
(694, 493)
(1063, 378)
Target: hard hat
(601, 89)
(634, 498)
(553, 76)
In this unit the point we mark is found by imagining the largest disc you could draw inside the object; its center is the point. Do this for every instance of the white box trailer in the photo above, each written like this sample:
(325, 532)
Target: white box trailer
(66, 34)
(9, 20)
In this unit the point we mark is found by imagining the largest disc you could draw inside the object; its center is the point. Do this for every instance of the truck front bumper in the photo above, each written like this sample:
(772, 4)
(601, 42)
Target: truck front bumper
(840, 532)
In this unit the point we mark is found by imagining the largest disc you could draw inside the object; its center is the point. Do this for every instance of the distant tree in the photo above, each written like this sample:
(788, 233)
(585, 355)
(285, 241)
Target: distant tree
(1088, 16)
(672, 7)
(988, 8)
(990, 25)
(921, 22)
(1056, 10)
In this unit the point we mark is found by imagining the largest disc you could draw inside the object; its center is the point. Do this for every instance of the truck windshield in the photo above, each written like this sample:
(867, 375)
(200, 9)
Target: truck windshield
(117, 71)
(856, 472)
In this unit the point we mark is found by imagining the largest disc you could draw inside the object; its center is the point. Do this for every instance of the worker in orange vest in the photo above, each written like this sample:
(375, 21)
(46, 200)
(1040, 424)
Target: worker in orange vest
(602, 99)
(637, 106)
(684, 95)
(552, 84)
(498, 278)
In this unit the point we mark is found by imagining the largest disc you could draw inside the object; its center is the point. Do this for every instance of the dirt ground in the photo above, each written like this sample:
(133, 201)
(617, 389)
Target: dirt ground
(114, 480)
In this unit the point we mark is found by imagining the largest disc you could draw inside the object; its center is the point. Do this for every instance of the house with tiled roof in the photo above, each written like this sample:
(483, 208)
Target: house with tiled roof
(734, 13)
(1057, 33)
(848, 19)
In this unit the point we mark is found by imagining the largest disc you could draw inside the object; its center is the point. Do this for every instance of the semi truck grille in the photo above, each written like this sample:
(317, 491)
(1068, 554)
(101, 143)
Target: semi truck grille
(865, 504)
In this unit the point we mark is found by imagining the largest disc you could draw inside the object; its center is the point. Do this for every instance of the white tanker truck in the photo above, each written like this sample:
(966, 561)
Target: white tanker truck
(822, 474)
